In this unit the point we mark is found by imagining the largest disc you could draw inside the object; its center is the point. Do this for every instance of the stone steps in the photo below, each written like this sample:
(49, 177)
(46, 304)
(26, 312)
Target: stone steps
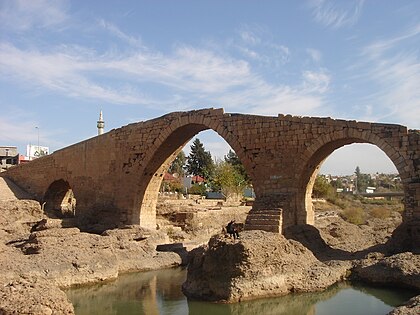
(269, 220)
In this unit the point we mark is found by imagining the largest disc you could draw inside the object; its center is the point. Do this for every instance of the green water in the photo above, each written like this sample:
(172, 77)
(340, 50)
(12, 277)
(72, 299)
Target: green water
(159, 293)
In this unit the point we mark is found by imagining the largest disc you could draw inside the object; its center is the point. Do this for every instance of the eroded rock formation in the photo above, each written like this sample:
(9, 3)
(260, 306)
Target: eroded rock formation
(259, 264)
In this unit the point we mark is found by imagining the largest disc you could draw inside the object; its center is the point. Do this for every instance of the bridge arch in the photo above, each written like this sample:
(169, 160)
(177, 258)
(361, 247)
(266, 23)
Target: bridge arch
(59, 199)
(320, 150)
(159, 159)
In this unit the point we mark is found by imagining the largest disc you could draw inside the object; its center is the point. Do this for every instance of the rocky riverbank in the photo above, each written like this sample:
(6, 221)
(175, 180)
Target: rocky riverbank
(263, 264)
(40, 255)
(35, 265)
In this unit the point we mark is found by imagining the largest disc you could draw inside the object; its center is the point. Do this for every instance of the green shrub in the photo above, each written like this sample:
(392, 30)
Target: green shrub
(197, 190)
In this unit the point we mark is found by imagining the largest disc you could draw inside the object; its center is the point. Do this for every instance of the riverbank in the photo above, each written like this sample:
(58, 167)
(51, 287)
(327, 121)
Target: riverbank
(35, 264)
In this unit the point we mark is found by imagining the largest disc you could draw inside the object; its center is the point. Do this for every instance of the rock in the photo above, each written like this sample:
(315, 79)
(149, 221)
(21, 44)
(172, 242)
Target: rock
(33, 296)
(35, 264)
(412, 307)
(259, 264)
(401, 269)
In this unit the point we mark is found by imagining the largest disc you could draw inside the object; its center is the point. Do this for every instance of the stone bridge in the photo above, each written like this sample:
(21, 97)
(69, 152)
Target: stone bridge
(116, 176)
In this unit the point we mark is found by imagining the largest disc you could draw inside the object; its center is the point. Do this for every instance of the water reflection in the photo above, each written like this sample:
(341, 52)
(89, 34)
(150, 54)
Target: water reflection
(159, 292)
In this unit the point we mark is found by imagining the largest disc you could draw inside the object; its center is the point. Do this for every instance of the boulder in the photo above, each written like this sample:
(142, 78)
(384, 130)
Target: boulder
(402, 270)
(411, 307)
(260, 264)
(34, 296)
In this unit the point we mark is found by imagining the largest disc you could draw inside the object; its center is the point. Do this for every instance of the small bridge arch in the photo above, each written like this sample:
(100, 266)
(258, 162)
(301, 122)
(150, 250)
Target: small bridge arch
(59, 199)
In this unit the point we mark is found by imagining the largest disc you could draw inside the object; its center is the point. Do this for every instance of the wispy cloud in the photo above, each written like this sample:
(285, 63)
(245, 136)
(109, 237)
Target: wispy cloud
(186, 73)
(23, 15)
(396, 71)
(336, 14)
(399, 77)
(258, 45)
(317, 82)
(380, 47)
(62, 72)
(114, 30)
(315, 54)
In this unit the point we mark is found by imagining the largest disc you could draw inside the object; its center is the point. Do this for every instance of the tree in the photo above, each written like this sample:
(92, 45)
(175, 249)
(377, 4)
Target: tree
(322, 188)
(234, 160)
(228, 180)
(199, 161)
(362, 180)
(357, 172)
(178, 164)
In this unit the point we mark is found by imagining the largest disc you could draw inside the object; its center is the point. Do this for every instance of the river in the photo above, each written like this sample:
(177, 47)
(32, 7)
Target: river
(159, 293)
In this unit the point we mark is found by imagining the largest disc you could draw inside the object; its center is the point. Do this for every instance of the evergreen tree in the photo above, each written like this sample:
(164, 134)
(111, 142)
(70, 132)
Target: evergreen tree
(178, 164)
(362, 180)
(234, 160)
(199, 161)
(358, 177)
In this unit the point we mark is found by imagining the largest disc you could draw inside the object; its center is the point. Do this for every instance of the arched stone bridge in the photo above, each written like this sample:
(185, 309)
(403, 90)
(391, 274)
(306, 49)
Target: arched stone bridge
(116, 176)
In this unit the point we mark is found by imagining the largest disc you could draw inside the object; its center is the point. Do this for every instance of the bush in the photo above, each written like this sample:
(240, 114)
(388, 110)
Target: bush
(380, 212)
(340, 202)
(380, 201)
(174, 186)
(197, 190)
(322, 188)
(354, 215)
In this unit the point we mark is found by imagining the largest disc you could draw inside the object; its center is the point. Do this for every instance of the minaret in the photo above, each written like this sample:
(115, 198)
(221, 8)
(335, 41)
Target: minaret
(100, 124)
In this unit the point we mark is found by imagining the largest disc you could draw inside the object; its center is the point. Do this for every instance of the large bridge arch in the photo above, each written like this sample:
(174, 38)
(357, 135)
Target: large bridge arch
(158, 160)
(321, 149)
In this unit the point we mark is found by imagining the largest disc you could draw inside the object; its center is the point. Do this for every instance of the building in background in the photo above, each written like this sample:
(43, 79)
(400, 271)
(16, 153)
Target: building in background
(9, 156)
(100, 124)
(36, 151)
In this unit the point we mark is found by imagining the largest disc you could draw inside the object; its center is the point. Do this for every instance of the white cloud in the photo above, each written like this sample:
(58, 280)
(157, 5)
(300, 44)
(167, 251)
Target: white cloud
(259, 45)
(187, 75)
(61, 72)
(317, 82)
(22, 15)
(315, 54)
(114, 30)
(336, 14)
(249, 37)
(380, 47)
(400, 78)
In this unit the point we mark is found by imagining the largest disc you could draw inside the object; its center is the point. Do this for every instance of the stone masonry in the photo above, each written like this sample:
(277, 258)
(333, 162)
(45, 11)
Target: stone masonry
(116, 176)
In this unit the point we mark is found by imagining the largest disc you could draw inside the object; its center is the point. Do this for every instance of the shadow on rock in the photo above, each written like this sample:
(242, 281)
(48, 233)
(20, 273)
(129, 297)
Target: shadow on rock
(310, 237)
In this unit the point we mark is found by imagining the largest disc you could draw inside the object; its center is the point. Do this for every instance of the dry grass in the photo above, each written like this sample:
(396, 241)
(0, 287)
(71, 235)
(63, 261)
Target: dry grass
(354, 215)
(380, 212)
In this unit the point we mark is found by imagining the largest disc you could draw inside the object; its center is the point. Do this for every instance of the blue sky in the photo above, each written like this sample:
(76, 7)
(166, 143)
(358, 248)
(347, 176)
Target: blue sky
(62, 61)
